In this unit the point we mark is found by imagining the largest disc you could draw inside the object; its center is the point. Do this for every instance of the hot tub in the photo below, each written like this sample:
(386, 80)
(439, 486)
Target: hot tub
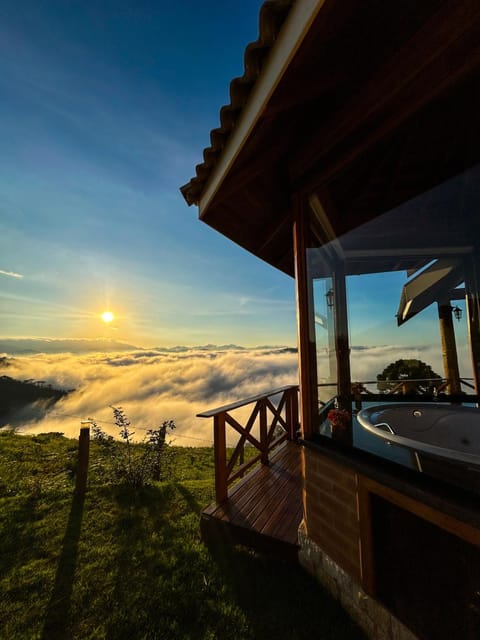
(444, 438)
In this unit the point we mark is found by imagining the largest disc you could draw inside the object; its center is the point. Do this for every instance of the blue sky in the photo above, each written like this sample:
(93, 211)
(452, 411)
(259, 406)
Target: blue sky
(104, 112)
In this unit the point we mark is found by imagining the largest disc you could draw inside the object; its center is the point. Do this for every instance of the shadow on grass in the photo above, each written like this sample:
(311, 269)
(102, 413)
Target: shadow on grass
(188, 496)
(280, 599)
(172, 587)
(18, 537)
(58, 609)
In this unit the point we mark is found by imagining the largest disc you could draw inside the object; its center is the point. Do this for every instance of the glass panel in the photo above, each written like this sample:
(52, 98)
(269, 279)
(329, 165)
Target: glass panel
(325, 339)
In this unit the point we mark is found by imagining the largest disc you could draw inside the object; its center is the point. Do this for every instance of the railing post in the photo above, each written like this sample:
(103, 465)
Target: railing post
(263, 431)
(83, 455)
(220, 450)
(292, 413)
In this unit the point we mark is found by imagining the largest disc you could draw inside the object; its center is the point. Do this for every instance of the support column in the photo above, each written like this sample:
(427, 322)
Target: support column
(449, 347)
(305, 323)
(342, 346)
(472, 292)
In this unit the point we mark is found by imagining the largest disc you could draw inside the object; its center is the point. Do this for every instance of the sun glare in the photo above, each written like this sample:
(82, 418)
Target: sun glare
(107, 317)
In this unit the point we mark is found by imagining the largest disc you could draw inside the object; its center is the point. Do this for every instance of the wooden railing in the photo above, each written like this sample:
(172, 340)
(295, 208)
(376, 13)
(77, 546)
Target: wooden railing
(267, 417)
(404, 386)
(430, 388)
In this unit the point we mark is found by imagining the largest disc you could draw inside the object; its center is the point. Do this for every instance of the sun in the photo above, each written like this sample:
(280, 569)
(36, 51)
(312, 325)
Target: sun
(107, 317)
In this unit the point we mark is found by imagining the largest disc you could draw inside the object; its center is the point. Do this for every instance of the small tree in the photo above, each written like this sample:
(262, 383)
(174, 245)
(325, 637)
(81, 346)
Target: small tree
(134, 464)
(408, 369)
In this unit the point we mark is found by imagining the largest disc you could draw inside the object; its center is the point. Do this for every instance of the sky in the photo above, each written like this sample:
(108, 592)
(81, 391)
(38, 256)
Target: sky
(105, 108)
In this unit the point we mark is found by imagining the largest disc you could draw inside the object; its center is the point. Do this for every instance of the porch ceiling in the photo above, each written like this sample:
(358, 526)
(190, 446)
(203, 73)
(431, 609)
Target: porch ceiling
(379, 103)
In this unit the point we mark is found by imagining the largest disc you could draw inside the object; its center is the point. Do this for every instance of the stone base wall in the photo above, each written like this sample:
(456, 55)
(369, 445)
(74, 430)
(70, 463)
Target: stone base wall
(377, 622)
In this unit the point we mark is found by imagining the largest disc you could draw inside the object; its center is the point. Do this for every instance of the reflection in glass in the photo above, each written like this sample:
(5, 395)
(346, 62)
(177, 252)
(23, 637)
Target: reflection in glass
(396, 310)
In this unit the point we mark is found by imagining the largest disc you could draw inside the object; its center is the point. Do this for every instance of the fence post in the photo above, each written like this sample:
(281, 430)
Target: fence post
(220, 450)
(83, 454)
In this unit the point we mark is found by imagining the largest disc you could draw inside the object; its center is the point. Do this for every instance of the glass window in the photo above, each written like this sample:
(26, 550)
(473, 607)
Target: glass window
(395, 307)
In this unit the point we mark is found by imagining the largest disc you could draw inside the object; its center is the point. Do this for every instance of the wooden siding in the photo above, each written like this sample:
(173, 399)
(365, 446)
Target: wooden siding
(264, 509)
(331, 510)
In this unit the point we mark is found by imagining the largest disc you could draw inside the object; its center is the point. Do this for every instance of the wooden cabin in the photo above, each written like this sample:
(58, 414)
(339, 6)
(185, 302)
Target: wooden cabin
(348, 158)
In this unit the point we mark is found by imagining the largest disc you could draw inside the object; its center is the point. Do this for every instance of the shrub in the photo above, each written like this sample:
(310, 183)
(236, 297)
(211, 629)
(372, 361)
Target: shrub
(135, 464)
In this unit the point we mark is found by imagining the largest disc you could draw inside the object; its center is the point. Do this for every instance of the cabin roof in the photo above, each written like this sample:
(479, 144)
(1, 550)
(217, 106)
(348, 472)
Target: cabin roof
(361, 106)
(271, 18)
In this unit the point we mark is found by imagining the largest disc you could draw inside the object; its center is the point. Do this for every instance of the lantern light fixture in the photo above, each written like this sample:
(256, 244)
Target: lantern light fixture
(330, 298)
(457, 312)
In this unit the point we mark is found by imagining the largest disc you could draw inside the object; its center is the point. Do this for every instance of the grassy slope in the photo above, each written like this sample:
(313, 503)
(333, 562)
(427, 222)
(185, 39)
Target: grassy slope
(130, 564)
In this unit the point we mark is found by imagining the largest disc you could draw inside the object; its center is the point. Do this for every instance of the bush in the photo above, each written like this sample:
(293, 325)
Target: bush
(135, 464)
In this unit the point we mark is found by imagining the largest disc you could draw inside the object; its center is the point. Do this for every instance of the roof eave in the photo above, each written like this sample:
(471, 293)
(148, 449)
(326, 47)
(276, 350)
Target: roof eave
(290, 37)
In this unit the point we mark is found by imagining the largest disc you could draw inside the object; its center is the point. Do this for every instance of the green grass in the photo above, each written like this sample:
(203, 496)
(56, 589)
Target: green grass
(124, 563)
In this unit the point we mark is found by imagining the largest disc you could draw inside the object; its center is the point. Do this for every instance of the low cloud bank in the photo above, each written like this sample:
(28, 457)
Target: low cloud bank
(153, 386)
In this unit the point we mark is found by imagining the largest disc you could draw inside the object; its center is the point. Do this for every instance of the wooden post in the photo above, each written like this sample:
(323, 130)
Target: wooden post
(292, 413)
(288, 414)
(342, 347)
(263, 431)
(220, 450)
(472, 290)
(305, 323)
(449, 348)
(364, 505)
(83, 455)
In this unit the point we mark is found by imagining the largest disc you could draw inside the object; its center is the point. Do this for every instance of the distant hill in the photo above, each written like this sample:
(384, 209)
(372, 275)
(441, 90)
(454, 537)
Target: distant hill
(22, 400)
(202, 347)
(31, 346)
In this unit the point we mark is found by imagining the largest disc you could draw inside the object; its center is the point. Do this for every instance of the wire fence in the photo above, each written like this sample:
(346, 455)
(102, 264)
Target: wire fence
(111, 423)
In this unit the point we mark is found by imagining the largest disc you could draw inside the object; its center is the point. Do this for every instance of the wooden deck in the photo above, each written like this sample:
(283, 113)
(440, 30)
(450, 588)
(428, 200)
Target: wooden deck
(264, 509)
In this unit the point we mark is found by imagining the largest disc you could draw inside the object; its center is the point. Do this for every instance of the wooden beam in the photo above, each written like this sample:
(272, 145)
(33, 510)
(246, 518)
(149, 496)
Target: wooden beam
(263, 431)
(241, 403)
(244, 172)
(305, 322)
(243, 432)
(342, 343)
(239, 449)
(220, 452)
(449, 347)
(472, 301)
(367, 567)
(440, 54)
(458, 528)
(290, 38)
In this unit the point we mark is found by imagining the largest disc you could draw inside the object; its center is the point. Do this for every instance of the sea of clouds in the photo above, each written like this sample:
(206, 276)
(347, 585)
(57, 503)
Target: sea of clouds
(156, 385)
(151, 386)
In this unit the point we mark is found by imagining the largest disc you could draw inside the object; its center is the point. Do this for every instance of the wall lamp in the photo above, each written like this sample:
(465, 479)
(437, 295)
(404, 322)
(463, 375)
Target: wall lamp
(457, 312)
(330, 298)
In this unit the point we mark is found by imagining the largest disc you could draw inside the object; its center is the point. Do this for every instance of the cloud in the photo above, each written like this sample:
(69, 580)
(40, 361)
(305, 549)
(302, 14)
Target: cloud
(11, 274)
(156, 385)
(153, 386)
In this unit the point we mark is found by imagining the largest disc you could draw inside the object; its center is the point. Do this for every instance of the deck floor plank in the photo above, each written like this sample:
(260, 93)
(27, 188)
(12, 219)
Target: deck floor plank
(285, 515)
(276, 495)
(267, 502)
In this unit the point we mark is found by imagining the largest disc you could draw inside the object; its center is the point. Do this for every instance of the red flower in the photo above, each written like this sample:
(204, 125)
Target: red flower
(339, 418)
